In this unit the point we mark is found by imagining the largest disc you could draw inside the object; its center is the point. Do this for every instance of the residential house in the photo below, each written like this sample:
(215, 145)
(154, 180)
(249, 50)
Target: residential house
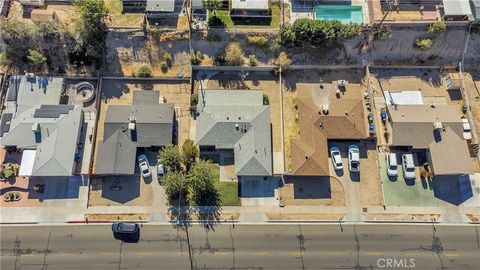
(250, 9)
(154, 8)
(438, 135)
(323, 117)
(146, 123)
(457, 10)
(236, 120)
(35, 123)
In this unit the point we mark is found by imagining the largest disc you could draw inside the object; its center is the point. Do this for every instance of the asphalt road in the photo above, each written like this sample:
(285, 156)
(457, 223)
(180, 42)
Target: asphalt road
(94, 247)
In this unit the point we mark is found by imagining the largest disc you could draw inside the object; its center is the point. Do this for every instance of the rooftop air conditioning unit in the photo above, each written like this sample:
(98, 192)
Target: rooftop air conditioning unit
(438, 126)
(36, 127)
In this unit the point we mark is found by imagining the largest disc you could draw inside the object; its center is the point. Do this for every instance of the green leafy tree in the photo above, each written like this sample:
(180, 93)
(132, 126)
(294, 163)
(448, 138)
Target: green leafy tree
(212, 5)
(144, 72)
(36, 58)
(47, 31)
(91, 27)
(234, 54)
(317, 32)
(171, 157)
(189, 153)
(201, 189)
(16, 38)
(174, 182)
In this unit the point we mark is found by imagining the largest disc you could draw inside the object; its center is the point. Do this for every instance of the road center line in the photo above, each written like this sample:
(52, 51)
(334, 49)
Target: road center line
(221, 253)
(106, 253)
(144, 253)
(296, 253)
(451, 254)
(181, 253)
(335, 253)
(412, 254)
(373, 253)
(258, 253)
(67, 254)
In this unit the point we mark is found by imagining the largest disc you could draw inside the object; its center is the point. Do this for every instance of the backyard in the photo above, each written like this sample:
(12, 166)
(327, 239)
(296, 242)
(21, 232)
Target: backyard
(273, 22)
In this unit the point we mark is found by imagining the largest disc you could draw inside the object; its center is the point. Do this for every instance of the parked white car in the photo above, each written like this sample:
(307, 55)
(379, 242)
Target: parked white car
(160, 171)
(392, 164)
(408, 166)
(144, 166)
(467, 131)
(353, 158)
(336, 158)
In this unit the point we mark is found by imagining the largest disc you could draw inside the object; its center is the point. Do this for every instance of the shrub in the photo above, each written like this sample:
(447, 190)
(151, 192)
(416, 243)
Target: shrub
(144, 72)
(266, 101)
(164, 67)
(439, 26)
(257, 40)
(197, 58)
(194, 99)
(383, 32)
(36, 58)
(423, 43)
(215, 21)
(252, 60)
(168, 60)
(234, 54)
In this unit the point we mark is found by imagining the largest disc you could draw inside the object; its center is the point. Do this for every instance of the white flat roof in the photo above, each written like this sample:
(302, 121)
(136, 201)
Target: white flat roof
(456, 7)
(250, 4)
(403, 98)
(26, 166)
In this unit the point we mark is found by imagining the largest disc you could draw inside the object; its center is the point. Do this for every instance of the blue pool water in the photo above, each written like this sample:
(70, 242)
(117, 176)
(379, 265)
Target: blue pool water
(345, 14)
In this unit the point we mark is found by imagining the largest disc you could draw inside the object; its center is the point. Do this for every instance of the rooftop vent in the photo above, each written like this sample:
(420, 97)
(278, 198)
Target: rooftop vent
(325, 108)
(131, 122)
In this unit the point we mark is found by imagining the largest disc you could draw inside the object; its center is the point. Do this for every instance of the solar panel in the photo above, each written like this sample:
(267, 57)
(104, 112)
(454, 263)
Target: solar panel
(5, 123)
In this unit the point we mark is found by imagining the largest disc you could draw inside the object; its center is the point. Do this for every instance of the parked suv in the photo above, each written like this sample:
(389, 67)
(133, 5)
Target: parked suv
(144, 166)
(408, 166)
(121, 227)
(336, 158)
(353, 158)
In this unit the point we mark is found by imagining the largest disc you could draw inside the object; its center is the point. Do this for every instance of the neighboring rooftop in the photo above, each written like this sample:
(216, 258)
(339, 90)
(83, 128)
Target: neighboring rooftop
(160, 5)
(250, 4)
(441, 143)
(145, 123)
(25, 92)
(345, 119)
(456, 7)
(238, 120)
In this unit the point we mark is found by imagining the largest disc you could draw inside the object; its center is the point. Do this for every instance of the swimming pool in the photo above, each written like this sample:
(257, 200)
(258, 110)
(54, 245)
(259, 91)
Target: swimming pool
(345, 14)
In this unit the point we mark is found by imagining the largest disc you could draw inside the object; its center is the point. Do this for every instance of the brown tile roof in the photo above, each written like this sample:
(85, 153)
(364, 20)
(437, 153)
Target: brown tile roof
(345, 120)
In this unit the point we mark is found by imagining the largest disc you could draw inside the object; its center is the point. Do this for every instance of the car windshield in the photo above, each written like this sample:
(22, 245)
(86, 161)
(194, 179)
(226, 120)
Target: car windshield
(466, 129)
(410, 169)
(393, 167)
(145, 171)
(354, 164)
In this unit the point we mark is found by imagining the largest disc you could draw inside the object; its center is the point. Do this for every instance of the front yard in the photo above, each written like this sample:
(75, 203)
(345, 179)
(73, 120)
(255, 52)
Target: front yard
(228, 190)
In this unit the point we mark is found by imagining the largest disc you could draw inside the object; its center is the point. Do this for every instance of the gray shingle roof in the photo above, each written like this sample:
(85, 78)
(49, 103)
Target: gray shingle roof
(238, 120)
(160, 5)
(55, 143)
(153, 127)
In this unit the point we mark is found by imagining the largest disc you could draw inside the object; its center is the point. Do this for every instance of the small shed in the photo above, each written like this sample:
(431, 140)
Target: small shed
(250, 5)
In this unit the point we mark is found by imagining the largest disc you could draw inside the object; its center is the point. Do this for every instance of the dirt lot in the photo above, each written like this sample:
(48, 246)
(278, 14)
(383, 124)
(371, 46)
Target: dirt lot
(269, 84)
(120, 92)
(128, 50)
(116, 217)
(370, 185)
(321, 191)
(402, 217)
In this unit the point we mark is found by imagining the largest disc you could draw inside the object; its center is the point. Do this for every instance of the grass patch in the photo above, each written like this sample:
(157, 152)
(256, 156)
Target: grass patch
(115, 8)
(228, 190)
(224, 16)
